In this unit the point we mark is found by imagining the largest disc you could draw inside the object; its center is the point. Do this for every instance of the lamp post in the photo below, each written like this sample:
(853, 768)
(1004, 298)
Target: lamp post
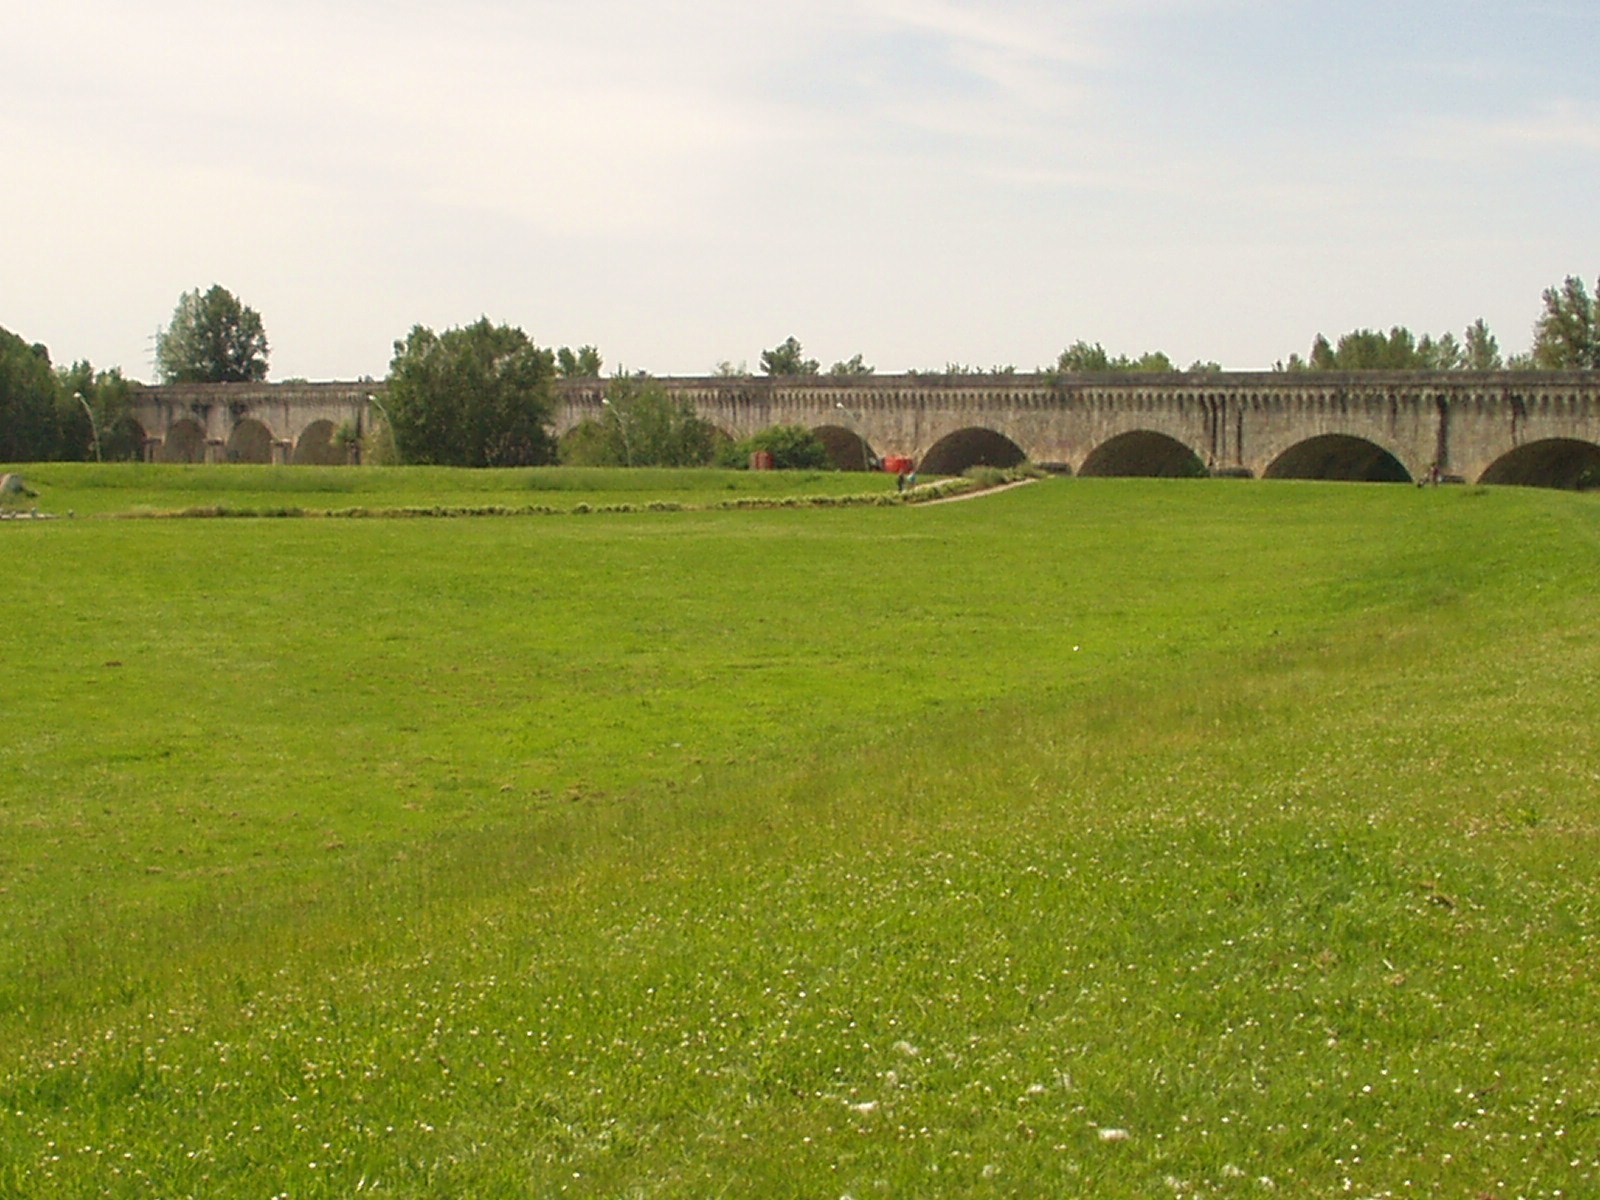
(622, 424)
(94, 428)
(866, 464)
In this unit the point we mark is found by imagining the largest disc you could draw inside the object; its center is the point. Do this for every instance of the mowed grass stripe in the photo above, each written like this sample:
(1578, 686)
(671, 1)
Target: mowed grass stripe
(145, 489)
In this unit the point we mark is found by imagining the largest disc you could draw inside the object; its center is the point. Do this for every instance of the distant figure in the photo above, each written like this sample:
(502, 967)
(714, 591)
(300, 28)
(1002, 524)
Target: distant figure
(900, 481)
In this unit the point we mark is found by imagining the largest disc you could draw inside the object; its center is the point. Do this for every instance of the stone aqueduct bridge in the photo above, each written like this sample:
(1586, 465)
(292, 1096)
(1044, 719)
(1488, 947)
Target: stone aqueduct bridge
(1510, 427)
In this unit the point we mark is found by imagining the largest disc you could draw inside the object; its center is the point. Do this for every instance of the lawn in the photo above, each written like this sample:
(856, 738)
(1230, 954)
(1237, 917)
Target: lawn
(140, 489)
(1113, 838)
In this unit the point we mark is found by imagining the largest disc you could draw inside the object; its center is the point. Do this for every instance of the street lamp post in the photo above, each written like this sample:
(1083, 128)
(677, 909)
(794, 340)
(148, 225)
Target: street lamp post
(94, 428)
(622, 424)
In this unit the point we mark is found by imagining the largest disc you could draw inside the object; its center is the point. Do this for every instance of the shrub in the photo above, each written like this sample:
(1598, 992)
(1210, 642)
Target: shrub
(793, 448)
(641, 426)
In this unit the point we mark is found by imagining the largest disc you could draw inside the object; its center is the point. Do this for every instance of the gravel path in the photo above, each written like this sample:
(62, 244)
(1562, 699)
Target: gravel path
(994, 491)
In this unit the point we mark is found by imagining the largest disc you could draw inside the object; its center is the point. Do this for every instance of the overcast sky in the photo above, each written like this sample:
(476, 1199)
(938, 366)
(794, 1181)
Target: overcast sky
(690, 181)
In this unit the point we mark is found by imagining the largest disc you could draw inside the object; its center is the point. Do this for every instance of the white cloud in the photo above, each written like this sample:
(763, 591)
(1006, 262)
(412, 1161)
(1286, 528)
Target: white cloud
(1562, 126)
(994, 40)
(1566, 132)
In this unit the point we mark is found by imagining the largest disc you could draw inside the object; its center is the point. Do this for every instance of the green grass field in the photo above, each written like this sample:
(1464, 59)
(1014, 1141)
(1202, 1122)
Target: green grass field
(1104, 838)
(138, 489)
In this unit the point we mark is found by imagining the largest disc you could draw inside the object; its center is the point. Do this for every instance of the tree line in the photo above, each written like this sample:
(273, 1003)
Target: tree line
(484, 394)
(62, 413)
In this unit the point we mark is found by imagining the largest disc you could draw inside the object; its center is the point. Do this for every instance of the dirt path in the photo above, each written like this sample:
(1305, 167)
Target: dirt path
(993, 491)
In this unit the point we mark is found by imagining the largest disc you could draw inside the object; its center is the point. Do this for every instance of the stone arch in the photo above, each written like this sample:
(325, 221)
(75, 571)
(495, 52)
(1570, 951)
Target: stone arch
(317, 448)
(1550, 462)
(847, 449)
(1338, 456)
(971, 447)
(124, 440)
(185, 442)
(250, 442)
(1143, 452)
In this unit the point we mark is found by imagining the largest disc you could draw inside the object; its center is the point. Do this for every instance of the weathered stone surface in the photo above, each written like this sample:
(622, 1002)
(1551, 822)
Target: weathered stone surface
(1494, 426)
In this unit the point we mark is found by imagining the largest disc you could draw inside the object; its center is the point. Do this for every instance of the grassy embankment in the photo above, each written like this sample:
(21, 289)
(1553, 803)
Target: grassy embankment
(133, 489)
(1103, 838)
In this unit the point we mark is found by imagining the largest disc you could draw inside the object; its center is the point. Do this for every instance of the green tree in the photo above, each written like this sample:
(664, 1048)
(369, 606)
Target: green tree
(479, 396)
(1401, 350)
(30, 424)
(1154, 362)
(1441, 354)
(788, 359)
(641, 426)
(590, 444)
(954, 369)
(582, 363)
(1480, 350)
(1081, 358)
(1567, 334)
(1371, 350)
(212, 339)
(854, 366)
(793, 448)
(107, 395)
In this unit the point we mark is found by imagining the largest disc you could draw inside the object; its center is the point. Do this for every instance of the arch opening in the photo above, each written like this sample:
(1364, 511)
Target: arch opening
(967, 448)
(1340, 457)
(1551, 463)
(847, 449)
(250, 442)
(316, 447)
(185, 442)
(124, 441)
(1146, 454)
